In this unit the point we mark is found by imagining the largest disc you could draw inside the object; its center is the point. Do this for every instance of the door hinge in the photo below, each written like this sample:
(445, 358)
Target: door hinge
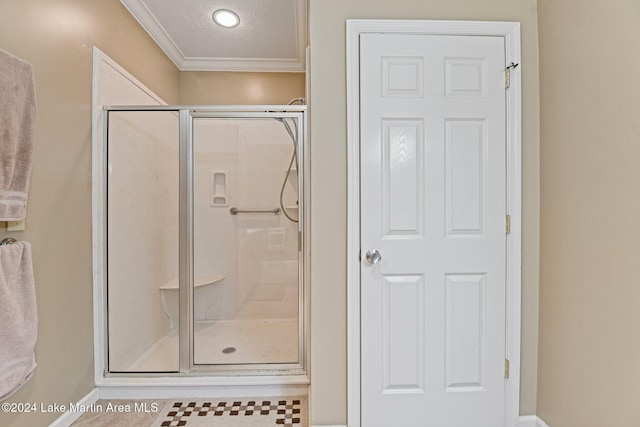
(507, 74)
(360, 255)
(506, 369)
(508, 224)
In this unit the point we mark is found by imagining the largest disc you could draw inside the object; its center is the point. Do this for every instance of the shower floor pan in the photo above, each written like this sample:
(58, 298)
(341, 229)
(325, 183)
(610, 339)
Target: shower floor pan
(224, 342)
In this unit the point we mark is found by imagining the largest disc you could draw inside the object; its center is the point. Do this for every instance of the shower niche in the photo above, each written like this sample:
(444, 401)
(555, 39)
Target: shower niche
(205, 240)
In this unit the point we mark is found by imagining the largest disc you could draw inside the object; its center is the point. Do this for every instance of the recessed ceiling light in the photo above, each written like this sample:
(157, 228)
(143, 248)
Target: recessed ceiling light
(226, 18)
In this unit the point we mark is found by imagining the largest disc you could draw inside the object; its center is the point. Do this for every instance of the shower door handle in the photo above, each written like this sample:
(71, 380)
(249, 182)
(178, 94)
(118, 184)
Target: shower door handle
(373, 256)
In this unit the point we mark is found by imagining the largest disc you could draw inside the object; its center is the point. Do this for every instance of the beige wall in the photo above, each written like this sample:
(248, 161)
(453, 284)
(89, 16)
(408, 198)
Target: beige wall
(589, 353)
(198, 87)
(57, 36)
(329, 178)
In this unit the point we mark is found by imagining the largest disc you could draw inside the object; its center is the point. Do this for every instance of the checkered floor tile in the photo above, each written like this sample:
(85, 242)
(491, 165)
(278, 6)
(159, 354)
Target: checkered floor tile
(255, 412)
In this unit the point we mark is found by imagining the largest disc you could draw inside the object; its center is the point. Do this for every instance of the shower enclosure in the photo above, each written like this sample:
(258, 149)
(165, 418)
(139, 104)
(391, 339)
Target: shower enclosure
(204, 241)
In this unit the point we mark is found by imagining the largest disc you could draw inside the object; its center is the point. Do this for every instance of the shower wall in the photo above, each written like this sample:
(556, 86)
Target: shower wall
(267, 241)
(256, 253)
(215, 244)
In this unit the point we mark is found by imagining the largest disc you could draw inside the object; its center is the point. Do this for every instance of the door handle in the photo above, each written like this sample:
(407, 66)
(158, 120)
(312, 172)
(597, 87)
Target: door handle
(373, 256)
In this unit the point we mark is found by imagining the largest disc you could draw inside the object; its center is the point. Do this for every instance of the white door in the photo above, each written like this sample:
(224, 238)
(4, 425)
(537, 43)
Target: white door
(433, 191)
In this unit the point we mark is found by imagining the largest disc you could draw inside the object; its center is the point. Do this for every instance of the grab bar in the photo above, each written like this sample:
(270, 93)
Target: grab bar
(235, 211)
(8, 241)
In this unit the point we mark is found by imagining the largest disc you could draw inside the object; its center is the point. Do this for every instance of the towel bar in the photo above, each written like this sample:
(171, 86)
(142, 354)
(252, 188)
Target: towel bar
(8, 241)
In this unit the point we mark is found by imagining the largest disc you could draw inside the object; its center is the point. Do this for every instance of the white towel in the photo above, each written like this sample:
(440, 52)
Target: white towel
(17, 135)
(18, 317)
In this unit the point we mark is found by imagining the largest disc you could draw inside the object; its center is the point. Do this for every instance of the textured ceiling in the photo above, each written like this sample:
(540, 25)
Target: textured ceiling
(271, 35)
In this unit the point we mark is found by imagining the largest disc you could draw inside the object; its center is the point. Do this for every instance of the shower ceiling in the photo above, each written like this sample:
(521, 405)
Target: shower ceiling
(271, 35)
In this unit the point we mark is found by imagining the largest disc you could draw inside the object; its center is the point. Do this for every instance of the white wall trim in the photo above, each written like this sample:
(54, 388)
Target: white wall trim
(531, 421)
(67, 418)
(511, 32)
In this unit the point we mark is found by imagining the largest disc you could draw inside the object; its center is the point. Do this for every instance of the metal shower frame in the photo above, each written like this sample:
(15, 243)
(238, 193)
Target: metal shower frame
(187, 114)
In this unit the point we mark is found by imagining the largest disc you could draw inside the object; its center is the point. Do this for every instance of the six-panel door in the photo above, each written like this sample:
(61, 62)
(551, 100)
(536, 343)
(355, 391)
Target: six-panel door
(433, 190)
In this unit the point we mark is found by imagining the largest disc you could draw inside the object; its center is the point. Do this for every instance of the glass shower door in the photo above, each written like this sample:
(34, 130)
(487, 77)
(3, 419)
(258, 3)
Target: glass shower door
(203, 241)
(246, 241)
(142, 235)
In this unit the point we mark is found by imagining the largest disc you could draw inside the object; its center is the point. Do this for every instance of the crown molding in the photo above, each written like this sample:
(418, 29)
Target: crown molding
(147, 20)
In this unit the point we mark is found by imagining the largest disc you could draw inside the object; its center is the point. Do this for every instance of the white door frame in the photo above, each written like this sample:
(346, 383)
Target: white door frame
(511, 33)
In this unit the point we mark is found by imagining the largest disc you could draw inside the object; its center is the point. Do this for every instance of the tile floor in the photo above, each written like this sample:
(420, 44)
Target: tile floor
(148, 413)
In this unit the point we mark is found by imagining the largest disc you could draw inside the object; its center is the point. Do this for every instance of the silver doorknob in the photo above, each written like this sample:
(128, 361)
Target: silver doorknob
(373, 256)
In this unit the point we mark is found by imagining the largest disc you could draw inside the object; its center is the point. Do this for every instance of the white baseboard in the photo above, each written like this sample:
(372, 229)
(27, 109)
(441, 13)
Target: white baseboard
(531, 421)
(66, 419)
